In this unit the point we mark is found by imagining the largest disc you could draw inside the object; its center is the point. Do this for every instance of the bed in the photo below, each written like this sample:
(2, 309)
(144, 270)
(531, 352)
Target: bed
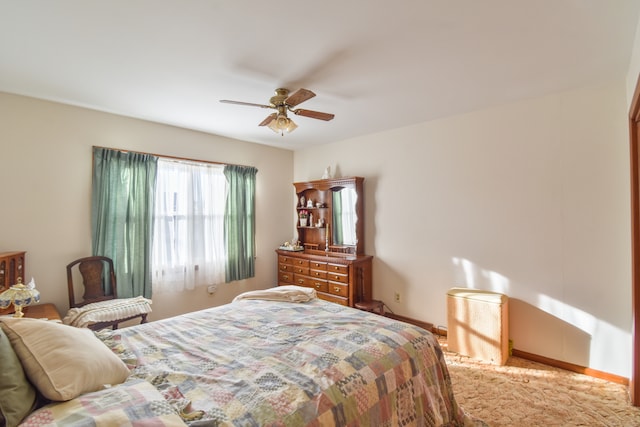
(263, 361)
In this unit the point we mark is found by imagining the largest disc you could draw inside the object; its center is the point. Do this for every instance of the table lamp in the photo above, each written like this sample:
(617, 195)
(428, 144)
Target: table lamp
(20, 295)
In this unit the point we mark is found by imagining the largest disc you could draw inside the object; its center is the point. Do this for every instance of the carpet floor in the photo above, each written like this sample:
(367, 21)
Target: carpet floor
(526, 393)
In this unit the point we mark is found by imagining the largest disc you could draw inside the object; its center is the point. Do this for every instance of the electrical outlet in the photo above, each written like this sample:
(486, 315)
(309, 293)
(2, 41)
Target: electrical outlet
(396, 296)
(211, 289)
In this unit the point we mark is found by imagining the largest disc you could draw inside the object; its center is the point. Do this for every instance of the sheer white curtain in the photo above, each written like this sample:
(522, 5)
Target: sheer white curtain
(188, 241)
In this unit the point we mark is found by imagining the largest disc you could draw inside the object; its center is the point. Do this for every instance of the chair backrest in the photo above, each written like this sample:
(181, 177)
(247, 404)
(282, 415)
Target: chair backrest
(92, 271)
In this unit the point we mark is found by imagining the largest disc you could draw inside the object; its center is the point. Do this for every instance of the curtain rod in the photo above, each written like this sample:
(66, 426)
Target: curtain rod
(173, 157)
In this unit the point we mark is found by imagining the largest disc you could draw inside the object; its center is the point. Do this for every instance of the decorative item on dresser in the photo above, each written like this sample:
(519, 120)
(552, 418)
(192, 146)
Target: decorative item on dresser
(20, 295)
(333, 261)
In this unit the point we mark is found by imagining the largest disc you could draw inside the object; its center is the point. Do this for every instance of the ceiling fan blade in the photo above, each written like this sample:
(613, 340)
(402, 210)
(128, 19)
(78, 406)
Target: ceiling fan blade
(314, 114)
(250, 104)
(298, 97)
(268, 120)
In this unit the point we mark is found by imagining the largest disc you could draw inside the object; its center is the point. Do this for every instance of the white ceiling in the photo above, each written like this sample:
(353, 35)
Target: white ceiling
(375, 64)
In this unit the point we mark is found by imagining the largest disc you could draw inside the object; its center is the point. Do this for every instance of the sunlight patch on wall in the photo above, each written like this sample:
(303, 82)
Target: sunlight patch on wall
(478, 278)
(605, 337)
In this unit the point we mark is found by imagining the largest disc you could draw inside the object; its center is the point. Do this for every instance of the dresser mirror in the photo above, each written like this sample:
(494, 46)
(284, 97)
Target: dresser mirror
(345, 217)
(336, 215)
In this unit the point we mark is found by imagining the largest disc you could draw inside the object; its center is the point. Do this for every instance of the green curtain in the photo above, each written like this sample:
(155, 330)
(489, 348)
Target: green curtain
(240, 222)
(122, 216)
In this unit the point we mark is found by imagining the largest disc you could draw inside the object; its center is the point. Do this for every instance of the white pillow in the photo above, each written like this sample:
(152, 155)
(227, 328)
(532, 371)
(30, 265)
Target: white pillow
(62, 361)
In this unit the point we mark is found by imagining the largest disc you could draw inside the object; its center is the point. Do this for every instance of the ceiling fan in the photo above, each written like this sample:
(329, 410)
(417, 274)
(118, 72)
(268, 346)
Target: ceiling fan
(283, 102)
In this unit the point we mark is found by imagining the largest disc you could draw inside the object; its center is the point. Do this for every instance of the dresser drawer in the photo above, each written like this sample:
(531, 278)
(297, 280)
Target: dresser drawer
(284, 276)
(285, 267)
(318, 274)
(302, 280)
(338, 277)
(339, 289)
(316, 265)
(297, 262)
(333, 298)
(283, 259)
(307, 282)
(337, 268)
(301, 270)
(319, 285)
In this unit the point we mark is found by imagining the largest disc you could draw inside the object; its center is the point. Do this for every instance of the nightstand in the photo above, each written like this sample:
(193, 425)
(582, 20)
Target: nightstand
(42, 311)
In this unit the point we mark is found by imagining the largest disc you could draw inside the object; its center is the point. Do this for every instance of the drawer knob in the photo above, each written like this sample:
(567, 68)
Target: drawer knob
(336, 289)
(285, 276)
(318, 285)
(300, 281)
(284, 267)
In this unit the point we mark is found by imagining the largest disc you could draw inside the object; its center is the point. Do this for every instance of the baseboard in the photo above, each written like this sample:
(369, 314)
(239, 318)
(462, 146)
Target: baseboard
(424, 325)
(571, 367)
(526, 355)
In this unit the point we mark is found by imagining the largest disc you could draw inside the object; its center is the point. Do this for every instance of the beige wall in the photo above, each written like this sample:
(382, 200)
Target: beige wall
(634, 66)
(530, 199)
(45, 171)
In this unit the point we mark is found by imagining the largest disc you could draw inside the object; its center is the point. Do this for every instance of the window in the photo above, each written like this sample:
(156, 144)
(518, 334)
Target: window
(188, 240)
(173, 224)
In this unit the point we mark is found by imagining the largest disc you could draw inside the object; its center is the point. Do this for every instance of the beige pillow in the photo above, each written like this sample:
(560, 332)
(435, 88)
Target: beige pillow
(62, 361)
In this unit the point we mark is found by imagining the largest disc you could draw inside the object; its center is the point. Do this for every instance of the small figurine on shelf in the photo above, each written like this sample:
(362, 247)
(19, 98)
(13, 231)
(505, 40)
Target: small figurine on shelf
(327, 173)
(310, 203)
(302, 199)
(311, 219)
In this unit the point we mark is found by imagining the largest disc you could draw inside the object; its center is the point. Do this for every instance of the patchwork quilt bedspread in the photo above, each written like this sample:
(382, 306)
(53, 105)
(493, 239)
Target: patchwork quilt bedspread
(266, 363)
(134, 403)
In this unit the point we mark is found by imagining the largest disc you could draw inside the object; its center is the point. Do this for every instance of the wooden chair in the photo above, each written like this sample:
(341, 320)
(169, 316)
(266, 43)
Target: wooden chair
(106, 310)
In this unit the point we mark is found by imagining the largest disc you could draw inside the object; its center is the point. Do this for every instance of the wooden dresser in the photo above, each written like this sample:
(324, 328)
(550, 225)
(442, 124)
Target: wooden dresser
(341, 279)
(330, 226)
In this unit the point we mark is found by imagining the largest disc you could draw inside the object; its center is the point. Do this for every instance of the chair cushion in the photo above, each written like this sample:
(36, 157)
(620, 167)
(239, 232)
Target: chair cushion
(107, 311)
(62, 361)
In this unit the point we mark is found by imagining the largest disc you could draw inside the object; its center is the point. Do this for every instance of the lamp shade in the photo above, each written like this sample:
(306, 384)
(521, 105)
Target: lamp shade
(20, 295)
(282, 123)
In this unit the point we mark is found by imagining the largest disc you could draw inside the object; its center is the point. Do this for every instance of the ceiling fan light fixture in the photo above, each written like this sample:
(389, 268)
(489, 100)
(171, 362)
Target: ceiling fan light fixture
(283, 102)
(281, 124)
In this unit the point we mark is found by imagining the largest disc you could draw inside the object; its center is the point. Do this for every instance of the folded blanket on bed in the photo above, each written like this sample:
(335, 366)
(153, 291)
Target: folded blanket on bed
(290, 293)
(106, 311)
